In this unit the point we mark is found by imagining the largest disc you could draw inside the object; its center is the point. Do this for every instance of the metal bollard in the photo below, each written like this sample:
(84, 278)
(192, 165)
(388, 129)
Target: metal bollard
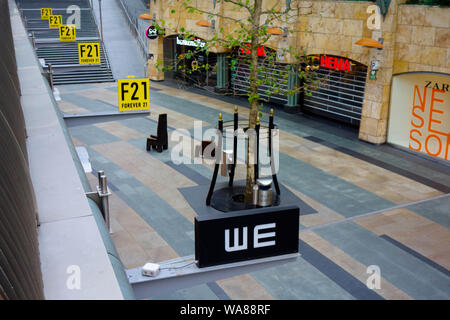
(100, 173)
(50, 71)
(33, 40)
(105, 201)
(101, 198)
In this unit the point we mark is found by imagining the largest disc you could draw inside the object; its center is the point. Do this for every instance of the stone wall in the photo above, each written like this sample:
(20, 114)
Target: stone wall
(422, 39)
(415, 38)
(330, 27)
(375, 111)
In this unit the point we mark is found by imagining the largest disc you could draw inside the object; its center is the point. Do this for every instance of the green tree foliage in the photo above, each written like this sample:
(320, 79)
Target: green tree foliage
(250, 33)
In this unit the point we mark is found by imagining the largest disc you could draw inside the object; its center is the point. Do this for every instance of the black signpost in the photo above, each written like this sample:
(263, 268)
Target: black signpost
(246, 235)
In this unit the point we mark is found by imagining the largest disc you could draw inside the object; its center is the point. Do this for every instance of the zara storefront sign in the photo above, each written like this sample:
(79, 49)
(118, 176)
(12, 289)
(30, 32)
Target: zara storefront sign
(419, 116)
(191, 43)
(245, 235)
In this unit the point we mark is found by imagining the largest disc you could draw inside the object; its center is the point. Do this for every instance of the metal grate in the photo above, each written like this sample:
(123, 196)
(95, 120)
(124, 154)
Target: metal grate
(240, 82)
(340, 94)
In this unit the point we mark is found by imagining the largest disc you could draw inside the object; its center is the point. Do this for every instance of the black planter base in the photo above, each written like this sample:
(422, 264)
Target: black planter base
(229, 199)
(223, 198)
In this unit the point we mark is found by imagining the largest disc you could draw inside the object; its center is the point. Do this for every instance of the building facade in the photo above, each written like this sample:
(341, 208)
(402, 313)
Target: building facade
(380, 90)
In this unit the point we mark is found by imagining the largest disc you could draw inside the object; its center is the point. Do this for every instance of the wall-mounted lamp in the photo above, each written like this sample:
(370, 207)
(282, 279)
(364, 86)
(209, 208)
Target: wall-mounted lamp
(145, 16)
(203, 23)
(370, 43)
(207, 24)
(275, 31)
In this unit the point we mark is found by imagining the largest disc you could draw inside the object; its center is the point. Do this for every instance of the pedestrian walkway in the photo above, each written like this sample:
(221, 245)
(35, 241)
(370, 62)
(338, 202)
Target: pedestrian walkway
(373, 205)
(124, 53)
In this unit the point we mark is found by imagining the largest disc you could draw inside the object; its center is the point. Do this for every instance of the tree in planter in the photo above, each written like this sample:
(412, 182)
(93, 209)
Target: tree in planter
(251, 25)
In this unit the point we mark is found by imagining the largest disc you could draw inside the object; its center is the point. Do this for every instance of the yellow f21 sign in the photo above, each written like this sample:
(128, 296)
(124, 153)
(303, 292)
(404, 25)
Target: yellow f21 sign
(89, 53)
(134, 94)
(46, 12)
(67, 32)
(54, 21)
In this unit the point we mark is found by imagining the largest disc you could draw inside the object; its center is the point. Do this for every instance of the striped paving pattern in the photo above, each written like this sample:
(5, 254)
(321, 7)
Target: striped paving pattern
(362, 195)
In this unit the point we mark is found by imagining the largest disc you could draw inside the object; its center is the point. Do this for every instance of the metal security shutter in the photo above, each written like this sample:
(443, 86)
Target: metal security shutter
(340, 94)
(170, 52)
(240, 80)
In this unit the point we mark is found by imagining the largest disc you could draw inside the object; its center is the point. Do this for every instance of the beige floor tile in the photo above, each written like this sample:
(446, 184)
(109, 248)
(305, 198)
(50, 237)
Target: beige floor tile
(244, 287)
(115, 225)
(77, 142)
(149, 240)
(102, 94)
(132, 222)
(130, 253)
(161, 254)
(442, 258)
(119, 130)
(71, 108)
(375, 223)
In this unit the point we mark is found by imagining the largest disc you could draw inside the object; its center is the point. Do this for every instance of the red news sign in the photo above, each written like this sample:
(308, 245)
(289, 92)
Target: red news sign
(336, 63)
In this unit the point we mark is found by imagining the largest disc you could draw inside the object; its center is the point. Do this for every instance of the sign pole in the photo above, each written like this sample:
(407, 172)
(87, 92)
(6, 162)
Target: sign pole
(101, 22)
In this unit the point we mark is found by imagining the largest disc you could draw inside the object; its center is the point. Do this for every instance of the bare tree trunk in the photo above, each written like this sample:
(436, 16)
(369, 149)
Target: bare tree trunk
(253, 113)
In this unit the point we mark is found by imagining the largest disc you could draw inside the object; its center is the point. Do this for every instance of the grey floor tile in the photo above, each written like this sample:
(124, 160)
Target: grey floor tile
(403, 270)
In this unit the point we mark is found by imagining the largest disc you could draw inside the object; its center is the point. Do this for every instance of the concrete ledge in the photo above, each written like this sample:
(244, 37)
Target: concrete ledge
(68, 234)
(181, 273)
(76, 242)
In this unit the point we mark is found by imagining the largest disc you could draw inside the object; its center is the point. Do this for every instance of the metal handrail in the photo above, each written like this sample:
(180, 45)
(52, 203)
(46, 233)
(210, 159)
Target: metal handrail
(140, 34)
(101, 40)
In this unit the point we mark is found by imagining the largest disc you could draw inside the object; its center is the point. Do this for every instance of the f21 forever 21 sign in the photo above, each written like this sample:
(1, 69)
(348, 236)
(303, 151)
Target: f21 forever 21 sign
(245, 235)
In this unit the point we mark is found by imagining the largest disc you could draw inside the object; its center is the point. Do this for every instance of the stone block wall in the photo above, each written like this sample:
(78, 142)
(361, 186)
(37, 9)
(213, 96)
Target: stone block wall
(332, 27)
(422, 39)
(375, 111)
(415, 38)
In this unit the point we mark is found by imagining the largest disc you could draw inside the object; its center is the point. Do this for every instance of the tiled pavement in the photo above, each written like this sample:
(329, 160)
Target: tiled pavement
(375, 205)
